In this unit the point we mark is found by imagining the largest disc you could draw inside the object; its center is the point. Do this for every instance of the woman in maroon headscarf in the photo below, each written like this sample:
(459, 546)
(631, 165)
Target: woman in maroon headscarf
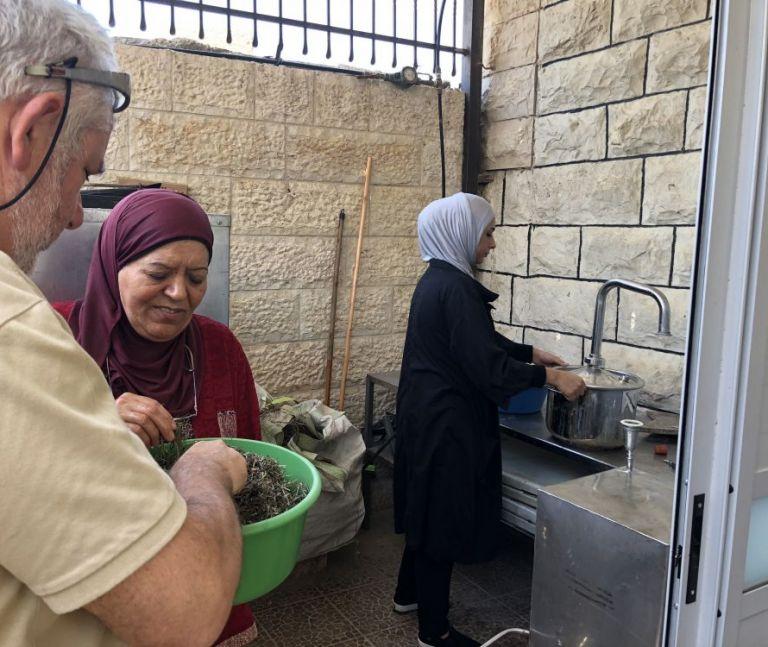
(171, 371)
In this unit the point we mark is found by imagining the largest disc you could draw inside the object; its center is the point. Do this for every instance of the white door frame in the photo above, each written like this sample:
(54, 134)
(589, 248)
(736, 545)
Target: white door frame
(725, 397)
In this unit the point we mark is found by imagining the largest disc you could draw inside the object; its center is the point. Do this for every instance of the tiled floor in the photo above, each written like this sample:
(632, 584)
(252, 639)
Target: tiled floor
(346, 600)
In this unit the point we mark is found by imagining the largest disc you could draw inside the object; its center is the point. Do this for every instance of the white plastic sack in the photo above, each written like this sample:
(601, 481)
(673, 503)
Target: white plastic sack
(335, 446)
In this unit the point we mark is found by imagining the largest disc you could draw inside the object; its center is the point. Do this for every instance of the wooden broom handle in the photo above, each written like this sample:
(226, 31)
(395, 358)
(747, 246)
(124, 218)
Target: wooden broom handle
(350, 318)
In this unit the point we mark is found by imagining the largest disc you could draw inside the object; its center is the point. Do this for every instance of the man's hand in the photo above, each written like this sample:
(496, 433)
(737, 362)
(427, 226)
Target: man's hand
(146, 418)
(570, 385)
(543, 358)
(224, 464)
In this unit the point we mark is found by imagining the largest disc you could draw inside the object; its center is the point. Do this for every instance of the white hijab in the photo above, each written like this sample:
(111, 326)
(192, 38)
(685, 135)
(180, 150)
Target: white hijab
(450, 229)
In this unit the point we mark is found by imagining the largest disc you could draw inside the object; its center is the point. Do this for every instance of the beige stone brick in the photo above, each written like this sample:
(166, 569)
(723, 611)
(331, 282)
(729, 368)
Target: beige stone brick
(639, 319)
(430, 163)
(283, 94)
(511, 43)
(497, 11)
(519, 208)
(608, 75)
(370, 354)
(568, 347)
(560, 305)
(633, 18)
(685, 247)
(511, 253)
(175, 143)
(555, 251)
(493, 191)
(385, 261)
(394, 210)
(694, 129)
(649, 125)
(453, 112)
(507, 144)
(354, 405)
(342, 101)
(662, 372)
(573, 28)
(501, 285)
(212, 86)
(570, 137)
(282, 366)
(679, 58)
(333, 155)
(210, 191)
(602, 193)
(671, 189)
(401, 110)
(401, 306)
(274, 262)
(117, 155)
(264, 315)
(641, 254)
(292, 208)
(373, 312)
(510, 93)
(150, 70)
(515, 333)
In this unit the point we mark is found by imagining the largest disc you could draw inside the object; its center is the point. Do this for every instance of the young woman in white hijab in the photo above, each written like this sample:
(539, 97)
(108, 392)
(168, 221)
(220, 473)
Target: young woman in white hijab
(456, 371)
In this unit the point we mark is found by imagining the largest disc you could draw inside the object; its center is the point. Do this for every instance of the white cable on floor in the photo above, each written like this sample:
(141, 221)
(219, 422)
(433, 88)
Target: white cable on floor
(519, 632)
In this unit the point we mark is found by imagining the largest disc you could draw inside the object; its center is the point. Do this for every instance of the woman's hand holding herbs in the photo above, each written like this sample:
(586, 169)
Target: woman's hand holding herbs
(214, 459)
(147, 418)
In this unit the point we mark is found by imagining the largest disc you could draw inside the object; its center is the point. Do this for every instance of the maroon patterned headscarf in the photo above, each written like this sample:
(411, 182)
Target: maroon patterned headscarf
(139, 223)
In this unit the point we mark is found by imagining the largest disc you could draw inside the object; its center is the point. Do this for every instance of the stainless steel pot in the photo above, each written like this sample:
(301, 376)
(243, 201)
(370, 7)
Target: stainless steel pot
(592, 421)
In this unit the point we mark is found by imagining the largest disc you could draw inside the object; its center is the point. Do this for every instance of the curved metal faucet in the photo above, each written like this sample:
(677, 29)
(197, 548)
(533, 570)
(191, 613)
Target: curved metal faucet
(594, 358)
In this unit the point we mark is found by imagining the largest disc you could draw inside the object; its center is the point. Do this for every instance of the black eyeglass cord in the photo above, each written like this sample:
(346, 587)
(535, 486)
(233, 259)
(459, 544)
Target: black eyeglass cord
(40, 170)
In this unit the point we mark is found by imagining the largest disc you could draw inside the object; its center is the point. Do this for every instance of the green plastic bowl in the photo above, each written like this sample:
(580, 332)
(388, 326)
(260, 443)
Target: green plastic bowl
(271, 547)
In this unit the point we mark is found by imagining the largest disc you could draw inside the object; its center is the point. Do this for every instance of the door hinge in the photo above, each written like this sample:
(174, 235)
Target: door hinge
(694, 552)
(677, 561)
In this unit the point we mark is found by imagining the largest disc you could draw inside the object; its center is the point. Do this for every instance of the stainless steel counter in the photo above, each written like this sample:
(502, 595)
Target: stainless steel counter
(602, 538)
(532, 429)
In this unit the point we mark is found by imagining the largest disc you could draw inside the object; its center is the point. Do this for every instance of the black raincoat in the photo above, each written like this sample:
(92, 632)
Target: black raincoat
(456, 371)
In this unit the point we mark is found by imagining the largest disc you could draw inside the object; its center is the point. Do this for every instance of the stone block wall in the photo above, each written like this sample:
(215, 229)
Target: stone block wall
(593, 113)
(281, 150)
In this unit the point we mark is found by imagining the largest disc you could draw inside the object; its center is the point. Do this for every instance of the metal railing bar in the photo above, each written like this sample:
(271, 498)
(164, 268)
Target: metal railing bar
(305, 49)
(453, 69)
(328, 33)
(279, 29)
(415, 33)
(351, 28)
(394, 33)
(229, 21)
(201, 32)
(291, 22)
(255, 24)
(435, 63)
(373, 32)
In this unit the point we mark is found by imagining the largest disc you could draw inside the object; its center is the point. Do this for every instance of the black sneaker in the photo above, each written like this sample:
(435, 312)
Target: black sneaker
(453, 639)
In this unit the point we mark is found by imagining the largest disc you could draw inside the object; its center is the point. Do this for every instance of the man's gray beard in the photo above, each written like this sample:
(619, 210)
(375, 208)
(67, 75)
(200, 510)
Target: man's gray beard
(33, 228)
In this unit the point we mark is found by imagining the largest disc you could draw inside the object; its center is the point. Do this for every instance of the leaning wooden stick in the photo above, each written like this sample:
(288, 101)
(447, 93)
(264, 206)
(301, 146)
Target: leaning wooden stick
(351, 317)
(334, 295)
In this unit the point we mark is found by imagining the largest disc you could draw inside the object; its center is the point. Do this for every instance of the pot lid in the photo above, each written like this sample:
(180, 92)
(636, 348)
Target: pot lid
(606, 379)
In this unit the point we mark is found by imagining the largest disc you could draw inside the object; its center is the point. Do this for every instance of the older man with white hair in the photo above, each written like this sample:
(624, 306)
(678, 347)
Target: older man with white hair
(97, 545)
